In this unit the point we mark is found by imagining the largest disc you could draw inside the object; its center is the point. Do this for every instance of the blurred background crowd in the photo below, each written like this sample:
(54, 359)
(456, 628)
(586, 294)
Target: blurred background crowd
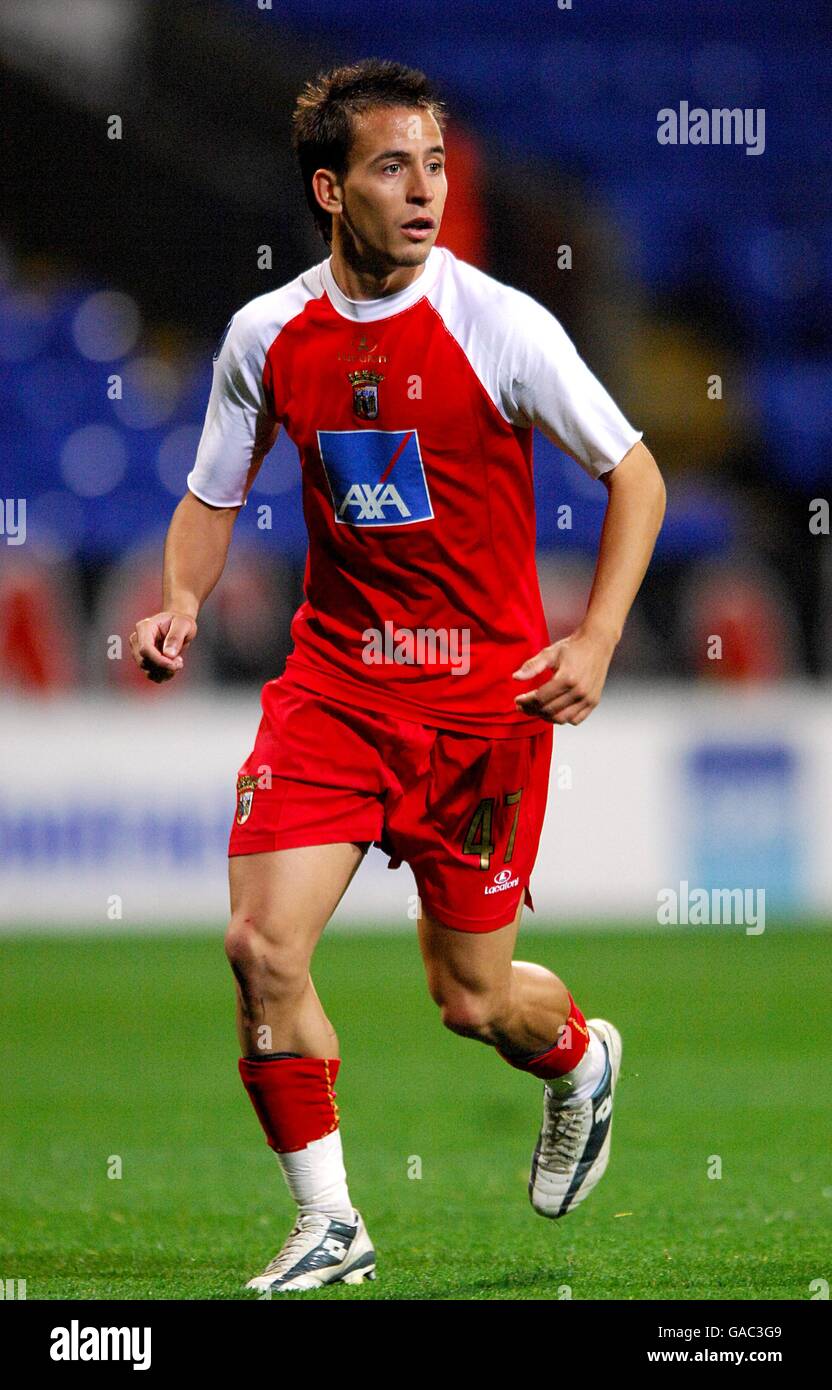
(148, 167)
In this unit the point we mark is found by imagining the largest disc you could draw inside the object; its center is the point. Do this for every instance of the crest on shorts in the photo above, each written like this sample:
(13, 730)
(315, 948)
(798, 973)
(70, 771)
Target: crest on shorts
(245, 796)
(365, 393)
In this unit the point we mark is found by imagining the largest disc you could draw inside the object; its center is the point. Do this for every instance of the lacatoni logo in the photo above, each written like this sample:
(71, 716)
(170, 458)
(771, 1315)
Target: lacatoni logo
(502, 881)
(376, 477)
(77, 1343)
(430, 647)
(725, 125)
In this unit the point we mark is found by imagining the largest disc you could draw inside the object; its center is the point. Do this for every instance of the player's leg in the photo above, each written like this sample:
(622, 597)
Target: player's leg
(485, 807)
(308, 803)
(483, 993)
(521, 1009)
(528, 1015)
(280, 903)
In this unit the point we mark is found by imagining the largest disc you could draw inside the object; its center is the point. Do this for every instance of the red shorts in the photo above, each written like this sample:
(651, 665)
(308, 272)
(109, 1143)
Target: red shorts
(464, 812)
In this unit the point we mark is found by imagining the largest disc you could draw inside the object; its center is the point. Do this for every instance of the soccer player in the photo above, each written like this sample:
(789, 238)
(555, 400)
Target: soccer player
(416, 708)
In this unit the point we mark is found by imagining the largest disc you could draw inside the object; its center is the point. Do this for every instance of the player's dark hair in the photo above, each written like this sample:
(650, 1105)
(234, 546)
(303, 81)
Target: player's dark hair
(322, 122)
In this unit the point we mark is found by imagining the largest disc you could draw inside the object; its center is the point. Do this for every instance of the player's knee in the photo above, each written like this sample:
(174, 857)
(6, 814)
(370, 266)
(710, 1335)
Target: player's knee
(263, 959)
(470, 1013)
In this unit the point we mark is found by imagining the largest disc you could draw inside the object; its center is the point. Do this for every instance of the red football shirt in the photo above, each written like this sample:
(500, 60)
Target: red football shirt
(413, 419)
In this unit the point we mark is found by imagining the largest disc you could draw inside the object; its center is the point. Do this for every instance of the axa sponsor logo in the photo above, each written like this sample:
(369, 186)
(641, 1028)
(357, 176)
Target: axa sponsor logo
(370, 502)
(502, 881)
(375, 477)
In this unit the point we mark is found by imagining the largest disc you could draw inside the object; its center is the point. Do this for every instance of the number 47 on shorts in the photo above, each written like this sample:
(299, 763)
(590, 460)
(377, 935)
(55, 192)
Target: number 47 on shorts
(478, 836)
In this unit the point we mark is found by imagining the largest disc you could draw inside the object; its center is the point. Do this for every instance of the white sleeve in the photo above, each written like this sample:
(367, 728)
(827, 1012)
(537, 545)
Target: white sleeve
(239, 429)
(544, 382)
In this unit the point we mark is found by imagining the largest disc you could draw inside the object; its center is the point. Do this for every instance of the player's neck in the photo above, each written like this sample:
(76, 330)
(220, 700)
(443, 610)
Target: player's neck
(357, 279)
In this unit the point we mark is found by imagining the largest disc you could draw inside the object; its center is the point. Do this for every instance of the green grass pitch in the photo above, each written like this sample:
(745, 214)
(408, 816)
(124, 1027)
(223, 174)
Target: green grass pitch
(126, 1047)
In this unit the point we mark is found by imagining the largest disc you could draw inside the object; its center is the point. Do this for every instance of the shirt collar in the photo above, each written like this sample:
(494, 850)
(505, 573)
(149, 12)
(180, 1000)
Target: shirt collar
(365, 310)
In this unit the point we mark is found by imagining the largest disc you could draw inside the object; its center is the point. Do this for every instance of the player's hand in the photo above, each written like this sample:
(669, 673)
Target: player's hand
(157, 644)
(578, 668)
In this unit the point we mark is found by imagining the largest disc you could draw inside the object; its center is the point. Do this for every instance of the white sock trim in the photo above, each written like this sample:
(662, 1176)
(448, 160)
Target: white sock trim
(589, 1071)
(317, 1179)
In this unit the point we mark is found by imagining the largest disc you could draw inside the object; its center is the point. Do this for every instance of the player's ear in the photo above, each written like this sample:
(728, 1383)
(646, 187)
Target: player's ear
(327, 189)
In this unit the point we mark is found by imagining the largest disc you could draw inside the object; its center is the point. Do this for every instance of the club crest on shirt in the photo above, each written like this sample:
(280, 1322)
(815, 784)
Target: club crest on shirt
(365, 393)
(245, 796)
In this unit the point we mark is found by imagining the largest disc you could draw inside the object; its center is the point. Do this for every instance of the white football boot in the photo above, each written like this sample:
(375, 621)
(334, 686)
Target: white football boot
(319, 1251)
(573, 1148)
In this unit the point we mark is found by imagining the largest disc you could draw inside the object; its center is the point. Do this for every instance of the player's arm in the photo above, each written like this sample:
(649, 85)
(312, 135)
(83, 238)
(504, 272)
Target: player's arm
(239, 431)
(579, 663)
(545, 382)
(196, 548)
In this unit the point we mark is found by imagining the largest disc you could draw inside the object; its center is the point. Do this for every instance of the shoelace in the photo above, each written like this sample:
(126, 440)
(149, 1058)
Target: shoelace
(296, 1243)
(564, 1136)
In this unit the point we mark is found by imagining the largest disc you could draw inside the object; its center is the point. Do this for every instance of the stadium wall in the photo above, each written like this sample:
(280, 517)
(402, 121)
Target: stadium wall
(115, 816)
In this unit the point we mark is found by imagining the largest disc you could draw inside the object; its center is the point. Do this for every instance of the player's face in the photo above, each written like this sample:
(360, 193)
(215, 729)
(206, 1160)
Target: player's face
(393, 193)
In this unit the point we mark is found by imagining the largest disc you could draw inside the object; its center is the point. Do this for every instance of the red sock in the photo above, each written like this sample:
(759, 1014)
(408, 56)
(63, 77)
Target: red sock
(572, 1043)
(294, 1098)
